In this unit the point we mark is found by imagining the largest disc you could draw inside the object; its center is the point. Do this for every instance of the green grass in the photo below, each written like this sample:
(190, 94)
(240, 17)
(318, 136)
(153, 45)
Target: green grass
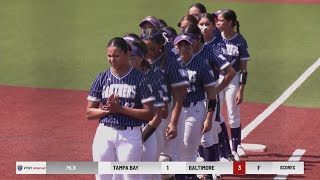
(61, 44)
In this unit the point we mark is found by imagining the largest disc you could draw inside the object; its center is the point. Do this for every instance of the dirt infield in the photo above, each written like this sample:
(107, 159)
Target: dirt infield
(50, 125)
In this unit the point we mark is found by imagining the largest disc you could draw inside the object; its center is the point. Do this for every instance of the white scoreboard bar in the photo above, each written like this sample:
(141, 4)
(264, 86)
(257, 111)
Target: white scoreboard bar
(286, 167)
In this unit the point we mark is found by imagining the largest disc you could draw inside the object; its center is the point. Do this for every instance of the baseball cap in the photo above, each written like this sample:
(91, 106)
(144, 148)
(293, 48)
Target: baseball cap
(182, 37)
(153, 20)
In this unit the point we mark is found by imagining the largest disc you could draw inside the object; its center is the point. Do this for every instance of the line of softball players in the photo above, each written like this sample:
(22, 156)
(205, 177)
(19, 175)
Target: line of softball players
(162, 97)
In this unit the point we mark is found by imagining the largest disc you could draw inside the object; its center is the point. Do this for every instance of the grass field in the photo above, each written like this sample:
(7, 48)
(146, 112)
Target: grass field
(61, 44)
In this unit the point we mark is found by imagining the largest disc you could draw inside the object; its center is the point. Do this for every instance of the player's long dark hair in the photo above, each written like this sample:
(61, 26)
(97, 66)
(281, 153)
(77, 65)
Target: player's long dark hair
(189, 18)
(119, 43)
(230, 15)
(194, 32)
(145, 65)
(209, 16)
(199, 6)
(156, 36)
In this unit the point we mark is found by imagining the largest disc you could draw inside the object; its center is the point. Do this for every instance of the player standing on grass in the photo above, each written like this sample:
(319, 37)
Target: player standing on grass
(237, 54)
(126, 102)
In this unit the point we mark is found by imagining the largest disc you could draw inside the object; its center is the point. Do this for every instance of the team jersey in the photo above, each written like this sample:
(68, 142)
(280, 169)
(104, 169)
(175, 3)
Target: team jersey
(200, 75)
(171, 51)
(215, 59)
(236, 50)
(173, 73)
(132, 90)
(155, 84)
(217, 44)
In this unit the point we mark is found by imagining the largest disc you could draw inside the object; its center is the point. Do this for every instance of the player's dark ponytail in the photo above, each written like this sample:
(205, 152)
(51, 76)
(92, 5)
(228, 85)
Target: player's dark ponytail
(238, 26)
(119, 43)
(156, 36)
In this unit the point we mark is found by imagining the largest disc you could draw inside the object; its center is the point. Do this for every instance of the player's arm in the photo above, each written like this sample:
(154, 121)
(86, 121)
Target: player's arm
(211, 104)
(242, 81)
(146, 114)
(178, 94)
(151, 127)
(230, 73)
(94, 112)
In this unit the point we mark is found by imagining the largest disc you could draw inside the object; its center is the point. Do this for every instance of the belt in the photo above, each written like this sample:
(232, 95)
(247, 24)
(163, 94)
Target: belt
(189, 104)
(119, 127)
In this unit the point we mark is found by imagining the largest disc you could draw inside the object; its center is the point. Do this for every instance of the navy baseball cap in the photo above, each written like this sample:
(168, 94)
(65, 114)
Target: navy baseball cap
(182, 37)
(153, 20)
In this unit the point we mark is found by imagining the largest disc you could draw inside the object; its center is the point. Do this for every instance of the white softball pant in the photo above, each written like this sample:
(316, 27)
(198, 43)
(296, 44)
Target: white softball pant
(211, 137)
(195, 116)
(172, 147)
(229, 96)
(151, 153)
(111, 145)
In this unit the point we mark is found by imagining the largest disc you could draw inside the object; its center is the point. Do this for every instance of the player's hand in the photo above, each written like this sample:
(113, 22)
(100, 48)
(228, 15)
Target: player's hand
(113, 104)
(239, 98)
(207, 125)
(171, 131)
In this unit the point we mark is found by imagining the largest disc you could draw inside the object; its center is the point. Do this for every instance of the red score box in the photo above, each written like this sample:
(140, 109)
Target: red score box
(239, 167)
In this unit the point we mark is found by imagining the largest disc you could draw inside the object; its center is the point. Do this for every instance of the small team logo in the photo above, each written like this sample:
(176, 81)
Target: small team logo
(19, 167)
(183, 36)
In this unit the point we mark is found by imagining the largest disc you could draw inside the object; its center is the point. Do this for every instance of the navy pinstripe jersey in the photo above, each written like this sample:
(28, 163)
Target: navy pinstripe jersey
(132, 90)
(236, 50)
(171, 51)
(200, 75)
(217, 44)
(155, 82)
(173, 73)
(215, 59)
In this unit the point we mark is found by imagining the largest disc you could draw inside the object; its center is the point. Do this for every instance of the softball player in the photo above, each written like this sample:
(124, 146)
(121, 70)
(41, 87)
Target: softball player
(237, 54)
(202, 85)
(207, 26)
(218, 63)
(126, 102)
(177, 82)
(151, 150)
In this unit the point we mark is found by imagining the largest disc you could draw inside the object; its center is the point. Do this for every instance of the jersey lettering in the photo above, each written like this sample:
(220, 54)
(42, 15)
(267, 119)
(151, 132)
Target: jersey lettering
(122, 90)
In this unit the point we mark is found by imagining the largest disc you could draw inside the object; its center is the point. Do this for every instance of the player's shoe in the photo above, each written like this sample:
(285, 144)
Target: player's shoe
(236, 156)
(231, 158)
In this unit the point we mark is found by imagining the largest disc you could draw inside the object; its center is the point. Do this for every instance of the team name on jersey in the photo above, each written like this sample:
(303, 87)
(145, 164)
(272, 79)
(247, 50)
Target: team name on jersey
(122, 90)
(192, 76)
(231, 50)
